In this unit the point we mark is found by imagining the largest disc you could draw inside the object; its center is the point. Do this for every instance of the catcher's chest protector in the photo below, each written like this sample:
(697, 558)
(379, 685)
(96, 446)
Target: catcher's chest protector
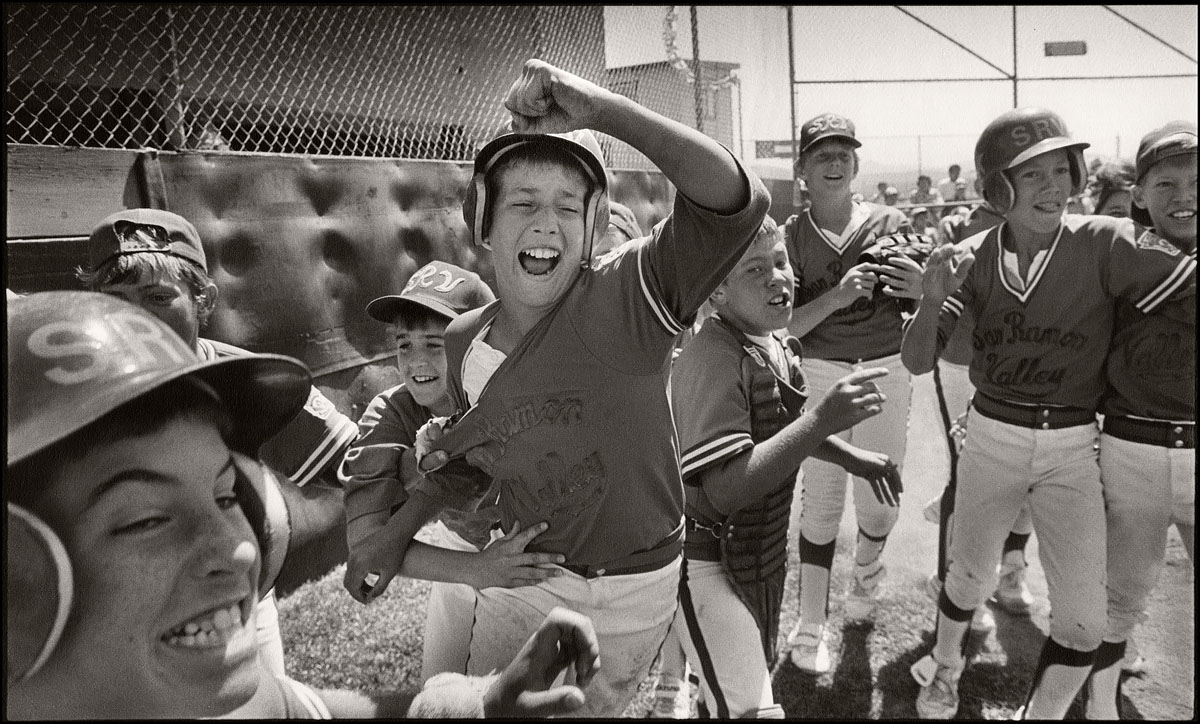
(754, 544)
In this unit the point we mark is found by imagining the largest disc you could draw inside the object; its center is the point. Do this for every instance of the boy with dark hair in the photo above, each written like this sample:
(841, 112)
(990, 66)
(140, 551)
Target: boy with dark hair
(379, 465)
(155, 259)
(562, 381)
(140, 532)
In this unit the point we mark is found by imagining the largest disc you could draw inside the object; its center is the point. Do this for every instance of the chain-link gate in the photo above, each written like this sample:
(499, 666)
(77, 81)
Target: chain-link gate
(416, 82)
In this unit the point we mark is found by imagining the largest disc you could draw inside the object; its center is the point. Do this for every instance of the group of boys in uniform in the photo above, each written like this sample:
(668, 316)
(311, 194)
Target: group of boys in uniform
(545, 452)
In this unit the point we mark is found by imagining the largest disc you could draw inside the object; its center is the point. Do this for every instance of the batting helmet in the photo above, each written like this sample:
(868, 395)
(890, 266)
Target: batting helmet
(74, 357)
(580, 145)
(1014, 138)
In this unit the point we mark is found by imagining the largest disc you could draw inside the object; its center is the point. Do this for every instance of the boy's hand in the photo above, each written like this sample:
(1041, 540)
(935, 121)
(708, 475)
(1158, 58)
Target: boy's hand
(851, 400)
(565, 639)
(879, 470)
(372, 564)
(944, 273)
(901, 277)
(505, 562)
(859, 281)
(546, 99)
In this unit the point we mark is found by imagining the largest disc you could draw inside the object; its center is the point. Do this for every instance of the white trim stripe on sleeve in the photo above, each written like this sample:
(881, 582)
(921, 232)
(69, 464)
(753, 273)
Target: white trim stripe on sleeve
(1168, 287)
(330, 446)
(664, 315)
(953, 305)
(713, 450)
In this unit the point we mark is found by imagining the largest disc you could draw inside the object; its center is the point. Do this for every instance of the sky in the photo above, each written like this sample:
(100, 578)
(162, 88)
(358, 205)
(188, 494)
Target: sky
(883, 42)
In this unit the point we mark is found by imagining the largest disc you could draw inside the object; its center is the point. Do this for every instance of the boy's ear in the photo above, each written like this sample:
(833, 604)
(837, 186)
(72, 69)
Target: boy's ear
(1138, 198)
(206, 301)
(718, 295)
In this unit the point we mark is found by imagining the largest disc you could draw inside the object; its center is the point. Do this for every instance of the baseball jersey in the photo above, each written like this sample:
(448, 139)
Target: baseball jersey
(959, 347)
(370, 471)
(577, 414)
(1046, 344)
(312, 442)
(1151, 367)
(868, 328)
(711, 398)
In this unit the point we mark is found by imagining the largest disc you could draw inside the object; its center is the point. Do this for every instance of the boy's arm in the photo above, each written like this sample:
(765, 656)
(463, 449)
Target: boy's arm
(546, 99)
(876, 468)
(748, 477)
(503, 563)
(944, 273)
(381, 555)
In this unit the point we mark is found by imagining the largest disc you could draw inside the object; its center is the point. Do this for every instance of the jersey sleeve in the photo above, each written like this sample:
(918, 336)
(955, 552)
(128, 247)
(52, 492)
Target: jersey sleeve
(313, 443)
(1147, 270)
(711, 412)
(690, 252)
(370, 471)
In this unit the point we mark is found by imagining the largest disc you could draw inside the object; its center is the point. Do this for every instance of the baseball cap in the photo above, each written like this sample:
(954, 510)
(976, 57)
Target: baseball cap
(133, 231)
(74, 357)
(444, 288)
(827, 125)
(1174, 139)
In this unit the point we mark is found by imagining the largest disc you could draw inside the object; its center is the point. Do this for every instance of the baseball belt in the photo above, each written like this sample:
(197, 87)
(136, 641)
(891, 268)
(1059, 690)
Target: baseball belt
(1038, 417)
(1152, 432)
(651, 559)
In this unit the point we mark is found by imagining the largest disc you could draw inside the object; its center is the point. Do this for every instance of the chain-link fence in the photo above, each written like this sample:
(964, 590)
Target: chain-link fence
(416, 82)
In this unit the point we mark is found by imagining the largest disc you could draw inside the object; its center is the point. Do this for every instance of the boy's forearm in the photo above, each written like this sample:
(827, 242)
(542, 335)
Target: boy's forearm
(418, 510)
(919, 349)
(833, 449)
(749, 478)
(700, 168)
(808, 316)
(431, 563)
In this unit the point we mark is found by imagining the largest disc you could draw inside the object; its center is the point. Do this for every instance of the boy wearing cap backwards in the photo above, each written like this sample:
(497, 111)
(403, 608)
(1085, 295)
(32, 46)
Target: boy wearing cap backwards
(140, 533)
(379, 464)
(1148, 444)
(738, 392)
(844, 325)
(1041, 287)
(154, 259)
(563, 379)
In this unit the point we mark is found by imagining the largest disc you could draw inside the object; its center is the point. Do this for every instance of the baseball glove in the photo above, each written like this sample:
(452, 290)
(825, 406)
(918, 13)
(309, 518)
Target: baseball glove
(917, 247)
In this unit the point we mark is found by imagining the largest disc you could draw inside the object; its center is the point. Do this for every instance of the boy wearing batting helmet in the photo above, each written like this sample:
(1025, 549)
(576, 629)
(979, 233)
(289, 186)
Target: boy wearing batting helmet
(155, 259)
(379, 465)
(738, 392)
(1148, 444)
(845, 322)
(562, 382)
(141, 531)
(1041, 287)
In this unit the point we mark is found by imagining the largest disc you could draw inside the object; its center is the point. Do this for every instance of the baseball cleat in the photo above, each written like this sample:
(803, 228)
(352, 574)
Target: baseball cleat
(809, 653)
(938, 698)
(1012, 594)
(860, 601)
(672, 699)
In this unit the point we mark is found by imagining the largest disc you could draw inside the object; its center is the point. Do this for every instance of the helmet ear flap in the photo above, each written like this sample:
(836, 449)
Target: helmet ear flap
(260, 493)
(38, 592)
(998, 191)
(475, 207)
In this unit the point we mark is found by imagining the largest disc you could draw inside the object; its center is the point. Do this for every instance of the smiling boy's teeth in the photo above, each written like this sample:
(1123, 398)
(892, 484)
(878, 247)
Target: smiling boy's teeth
(541, 253)
(209, 630)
